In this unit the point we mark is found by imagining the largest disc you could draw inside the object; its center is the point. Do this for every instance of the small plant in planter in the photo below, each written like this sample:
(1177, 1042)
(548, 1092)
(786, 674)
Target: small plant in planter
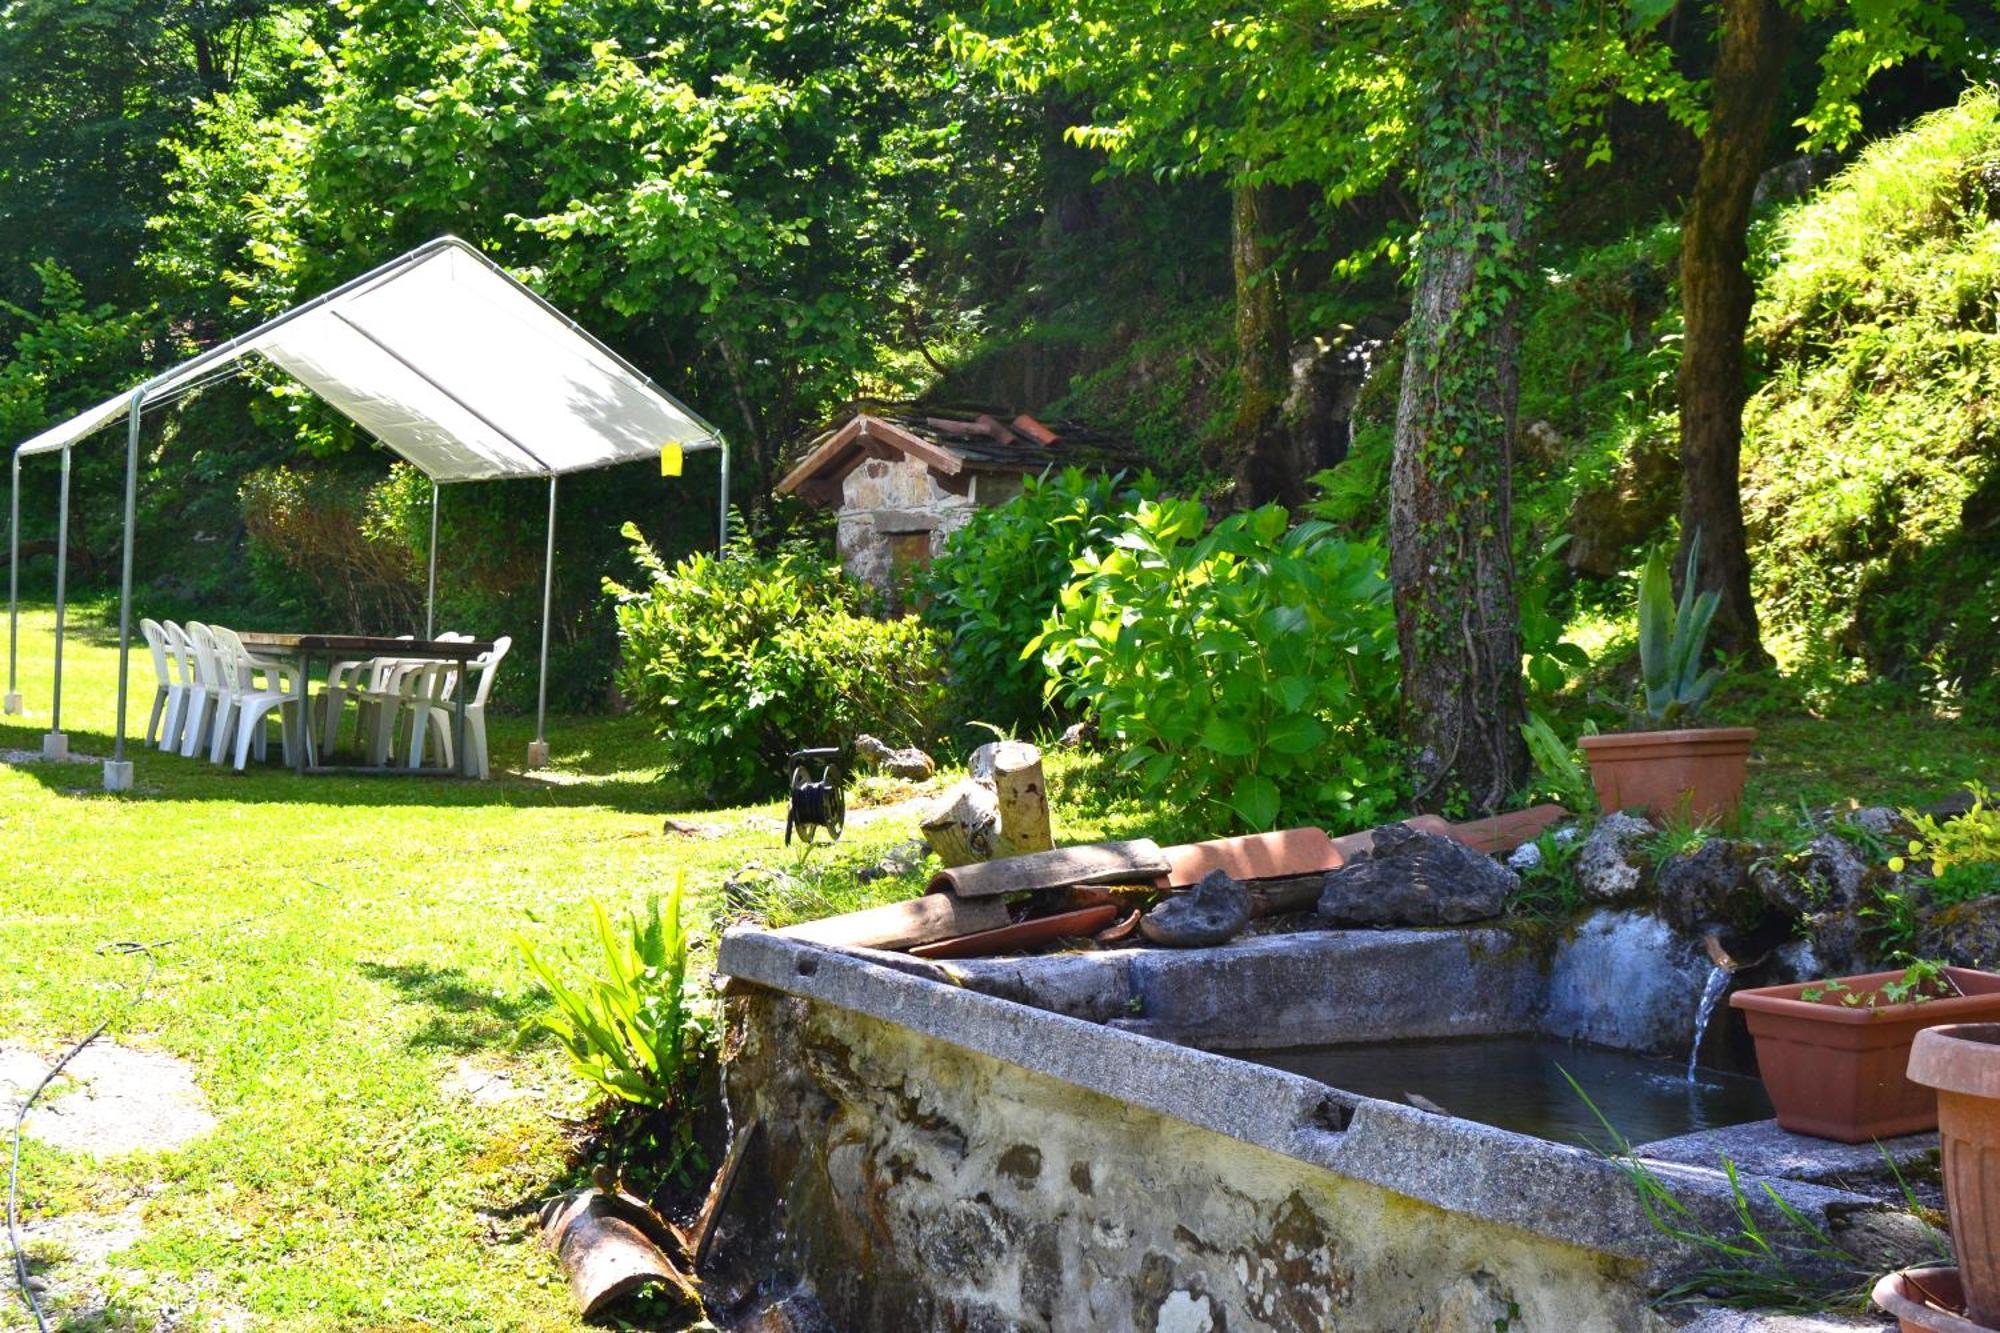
(1674, 768)
(1833, 1053)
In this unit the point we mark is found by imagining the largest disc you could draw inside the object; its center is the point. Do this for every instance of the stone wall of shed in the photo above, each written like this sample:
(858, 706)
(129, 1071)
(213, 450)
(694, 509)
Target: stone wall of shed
(901, 1182)
(886, 502)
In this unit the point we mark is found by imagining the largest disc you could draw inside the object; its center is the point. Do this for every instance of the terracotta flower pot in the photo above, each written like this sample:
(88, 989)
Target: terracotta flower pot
(1836, 1071)
(1700, 772)
(1962, 1062)
(1926, 1300)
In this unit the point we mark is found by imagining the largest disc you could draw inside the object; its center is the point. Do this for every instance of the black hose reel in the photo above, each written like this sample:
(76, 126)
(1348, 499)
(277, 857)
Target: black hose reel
(816, 806)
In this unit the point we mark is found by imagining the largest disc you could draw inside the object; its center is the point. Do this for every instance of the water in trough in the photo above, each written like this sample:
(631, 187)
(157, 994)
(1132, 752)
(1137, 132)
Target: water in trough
(1517, 1083)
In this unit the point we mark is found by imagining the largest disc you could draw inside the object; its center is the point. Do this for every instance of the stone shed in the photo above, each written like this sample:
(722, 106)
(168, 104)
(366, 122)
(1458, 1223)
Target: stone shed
(902, 478)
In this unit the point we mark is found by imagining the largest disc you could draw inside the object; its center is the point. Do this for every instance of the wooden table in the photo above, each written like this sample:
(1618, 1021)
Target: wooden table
(299, 650)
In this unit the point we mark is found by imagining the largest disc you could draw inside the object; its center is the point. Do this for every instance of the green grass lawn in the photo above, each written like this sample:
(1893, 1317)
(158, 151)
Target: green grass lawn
(346, 951)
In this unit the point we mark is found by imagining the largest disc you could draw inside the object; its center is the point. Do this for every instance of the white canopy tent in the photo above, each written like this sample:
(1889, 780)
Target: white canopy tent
(443, 357)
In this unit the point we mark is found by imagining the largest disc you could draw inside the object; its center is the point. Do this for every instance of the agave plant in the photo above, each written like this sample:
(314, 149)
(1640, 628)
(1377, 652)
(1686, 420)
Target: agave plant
(1671, 639)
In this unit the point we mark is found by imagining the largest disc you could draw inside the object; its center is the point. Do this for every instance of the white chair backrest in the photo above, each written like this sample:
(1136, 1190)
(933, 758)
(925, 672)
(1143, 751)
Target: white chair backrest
(177, 649)
(201, 639)
(488, 666)
(232, 659)
(385, 671)
(156, 640)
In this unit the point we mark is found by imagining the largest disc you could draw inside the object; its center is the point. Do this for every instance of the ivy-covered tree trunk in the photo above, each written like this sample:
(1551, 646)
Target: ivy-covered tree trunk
(1263, 457)
(1481, 147)
(1716, 295)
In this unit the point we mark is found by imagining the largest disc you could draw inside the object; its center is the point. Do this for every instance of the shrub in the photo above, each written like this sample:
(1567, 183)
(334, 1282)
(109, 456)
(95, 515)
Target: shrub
(996, 581)
(321, 537)
(1966, 843)
(1249, 673)
(738, 660)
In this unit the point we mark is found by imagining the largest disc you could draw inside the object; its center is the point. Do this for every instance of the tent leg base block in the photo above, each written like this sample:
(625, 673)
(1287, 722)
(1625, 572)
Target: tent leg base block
(538, 754)
(13, 705)
(55, 745)
(118, 775)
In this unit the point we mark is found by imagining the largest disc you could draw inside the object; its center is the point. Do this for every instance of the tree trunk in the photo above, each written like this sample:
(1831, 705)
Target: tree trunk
(1716, 294)
(1457, 625)
(1262, 456)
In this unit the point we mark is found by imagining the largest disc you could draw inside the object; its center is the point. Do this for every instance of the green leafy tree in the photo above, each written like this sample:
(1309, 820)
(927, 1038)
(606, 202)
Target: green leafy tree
(90, 90)
(734, 194)
(1486, 125)
(1755, 43)
(1258, 98)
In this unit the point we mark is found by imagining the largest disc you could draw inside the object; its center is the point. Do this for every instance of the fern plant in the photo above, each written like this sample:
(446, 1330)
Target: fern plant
(1671, 639)
(625, 1013)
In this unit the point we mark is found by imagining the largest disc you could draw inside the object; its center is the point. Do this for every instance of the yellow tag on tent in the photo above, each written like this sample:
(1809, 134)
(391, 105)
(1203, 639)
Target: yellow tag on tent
(670, 460)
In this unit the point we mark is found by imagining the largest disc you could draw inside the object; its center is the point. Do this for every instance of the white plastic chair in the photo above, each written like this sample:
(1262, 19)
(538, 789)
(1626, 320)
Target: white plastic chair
(254, 702)
(347, 681)
(175, 640)
(237, 672)
(204, 689)
(405, 684)
(402, 689)
(167, 687)
(437, 716)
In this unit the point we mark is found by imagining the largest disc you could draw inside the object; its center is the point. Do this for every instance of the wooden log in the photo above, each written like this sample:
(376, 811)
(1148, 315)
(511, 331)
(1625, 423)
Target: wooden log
(962, 824)
(925, 920)
(1024, 801)
(606, 1257)
(1135, 862)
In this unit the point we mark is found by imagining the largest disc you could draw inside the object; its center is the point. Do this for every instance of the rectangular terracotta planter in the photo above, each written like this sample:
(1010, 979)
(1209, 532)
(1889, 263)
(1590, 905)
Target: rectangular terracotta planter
(1697, 773)
(1836, 1071)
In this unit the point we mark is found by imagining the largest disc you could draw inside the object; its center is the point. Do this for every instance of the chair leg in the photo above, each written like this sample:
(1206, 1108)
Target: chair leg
(170, 726)
(439, 729)
(333, 703)
(224, 729)
(382, 735)
(159, 709)
(200, 716)
(247, 728)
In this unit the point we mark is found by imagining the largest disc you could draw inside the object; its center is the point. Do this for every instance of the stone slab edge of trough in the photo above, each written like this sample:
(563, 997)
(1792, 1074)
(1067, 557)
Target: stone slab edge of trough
(1546, 1189)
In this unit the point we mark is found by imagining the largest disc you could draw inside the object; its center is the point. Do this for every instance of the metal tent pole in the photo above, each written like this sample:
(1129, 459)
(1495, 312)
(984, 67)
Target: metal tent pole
(538, 750)
(13, 703)
(431, 594)
(55, 745)
(722, 504)
(118, 769)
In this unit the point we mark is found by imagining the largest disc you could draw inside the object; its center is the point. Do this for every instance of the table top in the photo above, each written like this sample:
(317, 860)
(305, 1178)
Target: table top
(366, 645)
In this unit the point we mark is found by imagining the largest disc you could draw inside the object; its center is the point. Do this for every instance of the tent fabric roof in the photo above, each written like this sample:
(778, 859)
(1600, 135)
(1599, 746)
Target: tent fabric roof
(454, 365)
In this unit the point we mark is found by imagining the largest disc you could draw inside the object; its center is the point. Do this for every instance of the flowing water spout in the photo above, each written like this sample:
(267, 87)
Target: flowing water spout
(1712, 992)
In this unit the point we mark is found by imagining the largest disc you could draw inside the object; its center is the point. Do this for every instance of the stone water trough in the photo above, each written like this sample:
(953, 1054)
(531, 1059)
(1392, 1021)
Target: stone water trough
(1067, 1142)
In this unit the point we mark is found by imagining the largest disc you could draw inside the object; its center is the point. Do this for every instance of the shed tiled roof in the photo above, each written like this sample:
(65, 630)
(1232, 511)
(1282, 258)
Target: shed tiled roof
(956, 442)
